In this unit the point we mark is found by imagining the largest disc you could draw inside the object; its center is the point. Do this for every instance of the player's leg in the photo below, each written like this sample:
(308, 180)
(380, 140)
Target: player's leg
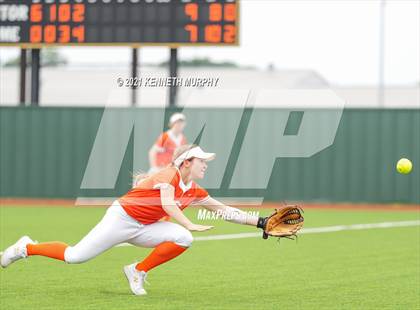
(115, 227)
(15, 251)
(169, 240)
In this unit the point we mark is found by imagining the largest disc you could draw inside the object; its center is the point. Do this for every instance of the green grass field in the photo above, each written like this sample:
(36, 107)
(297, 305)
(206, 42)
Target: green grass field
(363, 269)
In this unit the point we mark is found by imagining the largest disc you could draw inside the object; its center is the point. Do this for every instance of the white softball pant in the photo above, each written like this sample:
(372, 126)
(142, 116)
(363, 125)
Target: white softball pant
(118, 227)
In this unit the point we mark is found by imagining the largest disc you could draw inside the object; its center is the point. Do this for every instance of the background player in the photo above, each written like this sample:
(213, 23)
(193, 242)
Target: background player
(161, 153)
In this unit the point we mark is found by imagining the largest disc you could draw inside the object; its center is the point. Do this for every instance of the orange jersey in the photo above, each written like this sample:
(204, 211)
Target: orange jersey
(168, 143)
(143, 202)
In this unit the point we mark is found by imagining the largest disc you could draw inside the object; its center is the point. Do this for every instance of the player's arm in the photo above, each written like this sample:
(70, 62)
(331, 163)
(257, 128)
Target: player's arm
(167, 194)
(156, 148)
(152, 155)
(230, 214)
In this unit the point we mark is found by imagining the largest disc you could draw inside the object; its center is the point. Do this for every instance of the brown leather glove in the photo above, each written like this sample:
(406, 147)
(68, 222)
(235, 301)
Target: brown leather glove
(284, 222)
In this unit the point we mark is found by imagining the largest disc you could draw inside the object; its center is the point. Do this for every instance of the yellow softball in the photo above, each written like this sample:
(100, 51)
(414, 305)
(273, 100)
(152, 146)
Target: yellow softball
(404, 166)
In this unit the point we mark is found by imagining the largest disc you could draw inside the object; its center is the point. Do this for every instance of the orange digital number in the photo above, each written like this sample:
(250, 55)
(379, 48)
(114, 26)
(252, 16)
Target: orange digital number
(36, 13)
(79, 33)
(229, 34)
(213, 33)
(64, 13)
(63, 33)
(78, 13)
(53, 13)
(191, 10)
(230, 12)
(215, 12)
(50, 34)
(35, 34)
(192, 29)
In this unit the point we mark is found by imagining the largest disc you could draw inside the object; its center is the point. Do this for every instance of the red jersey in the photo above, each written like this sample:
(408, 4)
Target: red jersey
(167, 142)
(143, 202)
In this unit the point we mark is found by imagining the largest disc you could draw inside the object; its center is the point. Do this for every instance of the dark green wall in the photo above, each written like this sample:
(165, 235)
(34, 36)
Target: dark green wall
(360, 165)
(44, 152)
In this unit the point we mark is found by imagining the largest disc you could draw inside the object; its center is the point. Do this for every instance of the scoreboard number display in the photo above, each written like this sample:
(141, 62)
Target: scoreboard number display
(37, 23)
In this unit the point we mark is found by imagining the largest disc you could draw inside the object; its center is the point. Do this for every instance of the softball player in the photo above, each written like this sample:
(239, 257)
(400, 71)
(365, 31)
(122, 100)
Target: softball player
(161, 153)
(134, 218)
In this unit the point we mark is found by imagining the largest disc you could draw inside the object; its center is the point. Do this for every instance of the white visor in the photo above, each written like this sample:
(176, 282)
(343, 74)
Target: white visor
(195, 152)
(176, 117)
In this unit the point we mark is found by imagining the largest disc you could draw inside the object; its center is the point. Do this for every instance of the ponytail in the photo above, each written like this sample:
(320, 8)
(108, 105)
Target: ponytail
(138, 177)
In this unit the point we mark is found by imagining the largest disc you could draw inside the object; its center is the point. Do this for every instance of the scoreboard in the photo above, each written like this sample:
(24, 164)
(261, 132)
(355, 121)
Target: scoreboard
(38, 23)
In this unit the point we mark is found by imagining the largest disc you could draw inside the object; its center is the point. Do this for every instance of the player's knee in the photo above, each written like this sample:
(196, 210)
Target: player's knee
(184, 238)
(72, 256)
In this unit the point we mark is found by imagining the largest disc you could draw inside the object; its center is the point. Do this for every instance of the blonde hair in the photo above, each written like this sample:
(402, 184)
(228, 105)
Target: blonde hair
(137, 177)
(180, 150)
(140, 175)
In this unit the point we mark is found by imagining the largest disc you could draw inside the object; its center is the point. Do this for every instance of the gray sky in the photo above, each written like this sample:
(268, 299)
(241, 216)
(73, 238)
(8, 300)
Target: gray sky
(339, 39)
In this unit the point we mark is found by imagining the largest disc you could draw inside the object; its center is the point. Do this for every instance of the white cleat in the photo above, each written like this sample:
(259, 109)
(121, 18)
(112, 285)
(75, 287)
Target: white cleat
(15, 252)
(136, 279)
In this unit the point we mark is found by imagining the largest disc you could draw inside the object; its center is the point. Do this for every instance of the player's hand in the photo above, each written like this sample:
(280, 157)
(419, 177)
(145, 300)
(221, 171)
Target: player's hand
(195, 227)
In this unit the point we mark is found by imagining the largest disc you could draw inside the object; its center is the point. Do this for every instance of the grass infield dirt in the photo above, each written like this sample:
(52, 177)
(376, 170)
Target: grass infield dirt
(365, 269)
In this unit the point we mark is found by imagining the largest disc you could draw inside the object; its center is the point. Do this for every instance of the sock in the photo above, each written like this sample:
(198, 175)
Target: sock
(161, 254)
(48, 249)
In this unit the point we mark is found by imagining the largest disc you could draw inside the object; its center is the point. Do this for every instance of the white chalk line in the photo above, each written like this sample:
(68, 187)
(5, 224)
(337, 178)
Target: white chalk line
(315, 230)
